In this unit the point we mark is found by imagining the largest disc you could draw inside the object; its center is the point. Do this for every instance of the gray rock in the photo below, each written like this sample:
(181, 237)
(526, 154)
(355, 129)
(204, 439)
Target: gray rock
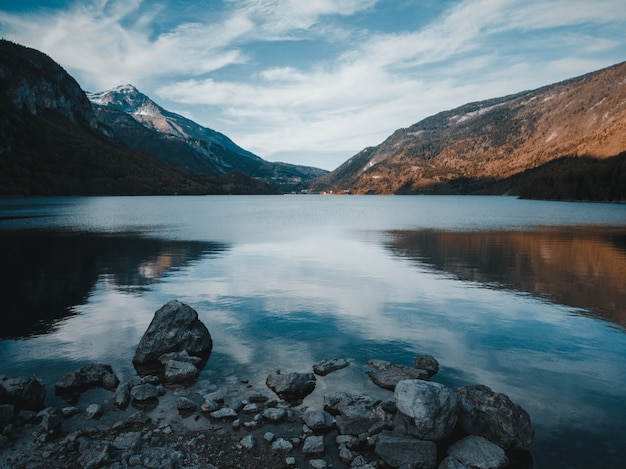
(50, 420)
(274, 415)
(318, 464)
(209, 405)
(128, 441)
(142, 392)
(349, 441)
(174, 328)
(282, 445)
(405, 451)
(247, 442)
(184, 404)
(318, 420)
(478, 453)
(225, 413)
(93, 411)
(426, 410)
(327, 366)
(251, 408)
(7, 411)
(292, 387)
(345, 455)
(313, 445)
(22, 392)
(386, 374)
(427, 363)
(269, 437)
(179, 371)
(122, 395)
(89, 376)
(69, 411)
(356, 413)
(495, 417)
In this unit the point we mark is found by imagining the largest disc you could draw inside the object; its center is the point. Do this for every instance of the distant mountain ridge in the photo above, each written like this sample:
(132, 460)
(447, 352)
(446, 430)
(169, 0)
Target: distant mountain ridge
(54, 141)
(186, 145)
(501, 146)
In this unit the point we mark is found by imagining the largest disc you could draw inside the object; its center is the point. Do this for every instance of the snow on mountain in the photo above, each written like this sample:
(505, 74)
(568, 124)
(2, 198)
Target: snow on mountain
(130, 100)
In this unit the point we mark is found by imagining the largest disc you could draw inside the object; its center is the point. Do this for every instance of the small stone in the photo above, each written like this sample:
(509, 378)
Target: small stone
(143, 392)
(247, 442)
(209, 405)
(185, 404)
(345, 455)
(318, 419)
(93, 411)
(327, 366)
(313, 445)
(67, 412)
(251, 408)
(318, 464)
(225, 413)
(274, 415)
(269, 437)
(281, 445)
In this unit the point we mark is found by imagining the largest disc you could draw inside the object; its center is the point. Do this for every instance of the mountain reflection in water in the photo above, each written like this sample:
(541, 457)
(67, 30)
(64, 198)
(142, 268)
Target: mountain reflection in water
(582, 267)
(45, 275)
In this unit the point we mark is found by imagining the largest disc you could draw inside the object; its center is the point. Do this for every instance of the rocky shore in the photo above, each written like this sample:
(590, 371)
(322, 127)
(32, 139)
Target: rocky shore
(160, 421)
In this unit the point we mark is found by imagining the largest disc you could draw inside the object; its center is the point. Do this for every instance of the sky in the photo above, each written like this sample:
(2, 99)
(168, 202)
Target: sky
(314, 82)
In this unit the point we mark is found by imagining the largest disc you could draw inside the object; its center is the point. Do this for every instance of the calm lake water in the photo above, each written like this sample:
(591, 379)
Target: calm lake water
(527, 297)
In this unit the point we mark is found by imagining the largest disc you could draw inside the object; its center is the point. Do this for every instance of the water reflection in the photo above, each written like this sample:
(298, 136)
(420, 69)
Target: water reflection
(580, 267)
(45, 275)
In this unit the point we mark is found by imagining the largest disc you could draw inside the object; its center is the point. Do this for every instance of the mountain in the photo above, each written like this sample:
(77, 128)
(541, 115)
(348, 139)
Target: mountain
(133, 118)
(565, 140)
(52, 144)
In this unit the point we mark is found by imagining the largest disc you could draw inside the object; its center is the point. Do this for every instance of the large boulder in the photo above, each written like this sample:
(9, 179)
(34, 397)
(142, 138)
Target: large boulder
(174, 328)
(27, 393)
(495, 417)
(426, 410)
(291, 387)
(386, 374)
(405, 451)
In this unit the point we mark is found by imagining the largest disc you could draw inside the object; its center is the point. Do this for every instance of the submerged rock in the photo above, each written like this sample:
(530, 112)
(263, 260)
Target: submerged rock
(427, 363)
(386, 374)
(328, 366)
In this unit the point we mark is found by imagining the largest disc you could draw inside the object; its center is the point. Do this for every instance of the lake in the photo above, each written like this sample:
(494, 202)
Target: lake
(527, 297)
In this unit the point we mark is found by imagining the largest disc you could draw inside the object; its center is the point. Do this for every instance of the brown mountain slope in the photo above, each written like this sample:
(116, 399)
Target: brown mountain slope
(485, 147)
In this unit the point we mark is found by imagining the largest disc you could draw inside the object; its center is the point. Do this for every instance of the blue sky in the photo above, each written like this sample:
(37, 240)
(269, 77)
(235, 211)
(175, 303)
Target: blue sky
(315, 81)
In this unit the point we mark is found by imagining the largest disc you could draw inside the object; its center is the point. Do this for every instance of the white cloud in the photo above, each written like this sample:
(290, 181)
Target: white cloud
(373, 83)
